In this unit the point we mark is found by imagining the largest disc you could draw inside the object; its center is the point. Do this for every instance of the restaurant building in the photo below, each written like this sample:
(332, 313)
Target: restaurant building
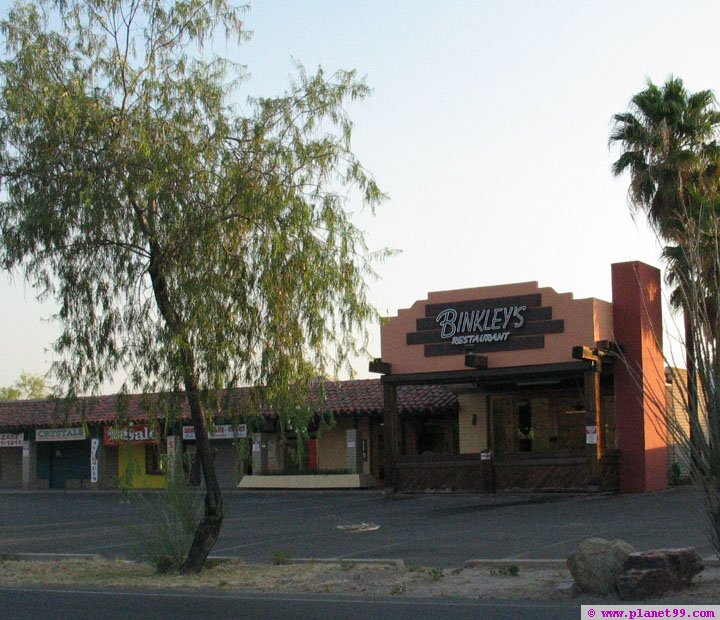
(553, 392)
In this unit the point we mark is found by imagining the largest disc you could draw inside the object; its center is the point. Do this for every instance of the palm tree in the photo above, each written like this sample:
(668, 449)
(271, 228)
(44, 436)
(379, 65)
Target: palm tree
(668, 143)
(669, 147)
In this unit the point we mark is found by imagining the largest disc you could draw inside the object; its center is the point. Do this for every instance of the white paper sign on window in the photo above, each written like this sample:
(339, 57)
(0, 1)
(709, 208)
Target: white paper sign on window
(222, 431)
(11, 440)
(591, 435)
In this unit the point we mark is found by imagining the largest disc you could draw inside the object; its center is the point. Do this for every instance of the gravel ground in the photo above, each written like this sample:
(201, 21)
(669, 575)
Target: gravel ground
(495, 580)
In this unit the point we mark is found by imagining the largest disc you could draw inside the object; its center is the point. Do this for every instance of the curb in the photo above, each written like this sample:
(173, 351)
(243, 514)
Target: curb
(52, 556)
(218, 559)
(519, 562)
(352, 561)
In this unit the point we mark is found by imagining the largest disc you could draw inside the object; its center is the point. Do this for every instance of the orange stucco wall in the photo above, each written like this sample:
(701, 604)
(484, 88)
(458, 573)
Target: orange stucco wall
(585, 321)
(640, 380)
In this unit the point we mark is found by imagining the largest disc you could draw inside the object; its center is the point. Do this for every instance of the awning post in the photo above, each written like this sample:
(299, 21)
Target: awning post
(391, 437)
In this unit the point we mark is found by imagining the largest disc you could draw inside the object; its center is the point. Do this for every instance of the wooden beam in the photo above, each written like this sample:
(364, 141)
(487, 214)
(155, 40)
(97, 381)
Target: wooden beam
(474, 360)
(564, 369)
(608, 346)
(391, 435)
(377, 365)
(584, 353)
(593, 407)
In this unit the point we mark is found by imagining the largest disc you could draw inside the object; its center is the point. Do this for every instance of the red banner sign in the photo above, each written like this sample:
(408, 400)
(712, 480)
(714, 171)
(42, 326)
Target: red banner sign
(137, 433)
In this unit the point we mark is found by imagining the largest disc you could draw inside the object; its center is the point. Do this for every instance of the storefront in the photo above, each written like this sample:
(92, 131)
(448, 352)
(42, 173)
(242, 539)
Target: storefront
(11, 459)
(84, 445)
(63, 458)
(347, 449)
(553, 392)
(232, 452)
(141, 459)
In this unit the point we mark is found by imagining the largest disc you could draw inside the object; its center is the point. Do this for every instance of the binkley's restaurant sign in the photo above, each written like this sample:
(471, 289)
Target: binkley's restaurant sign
(485, 325)
(137, 433)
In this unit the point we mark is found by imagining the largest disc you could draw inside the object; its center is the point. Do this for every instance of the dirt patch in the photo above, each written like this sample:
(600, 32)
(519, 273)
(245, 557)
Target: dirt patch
(495, 581)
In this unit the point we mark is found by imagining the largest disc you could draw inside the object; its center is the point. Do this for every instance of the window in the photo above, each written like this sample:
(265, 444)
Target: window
(153, 459)
(525, 432)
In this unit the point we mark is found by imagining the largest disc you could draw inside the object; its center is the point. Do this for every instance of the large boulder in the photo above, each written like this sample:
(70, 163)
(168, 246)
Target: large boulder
(596, 564)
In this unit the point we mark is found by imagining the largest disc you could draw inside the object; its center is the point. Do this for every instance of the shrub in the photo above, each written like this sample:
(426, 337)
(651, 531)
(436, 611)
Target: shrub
(280, 557)
(170, 519)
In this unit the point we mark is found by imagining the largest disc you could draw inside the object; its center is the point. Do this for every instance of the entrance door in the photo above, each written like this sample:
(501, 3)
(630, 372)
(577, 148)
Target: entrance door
(512, 424)
(503, 424)
(524, 429)
(59, 462)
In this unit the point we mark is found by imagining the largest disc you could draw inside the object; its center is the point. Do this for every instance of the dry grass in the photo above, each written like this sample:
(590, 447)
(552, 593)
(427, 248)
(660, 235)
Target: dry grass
(531, 581)
(225, 575)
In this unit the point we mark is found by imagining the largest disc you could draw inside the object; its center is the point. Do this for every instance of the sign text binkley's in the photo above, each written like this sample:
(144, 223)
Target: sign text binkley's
(491, 323)
(512, 323)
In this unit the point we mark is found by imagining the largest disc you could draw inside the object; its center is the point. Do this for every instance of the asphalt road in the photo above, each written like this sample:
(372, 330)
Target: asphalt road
(90, 604)
(431, 530)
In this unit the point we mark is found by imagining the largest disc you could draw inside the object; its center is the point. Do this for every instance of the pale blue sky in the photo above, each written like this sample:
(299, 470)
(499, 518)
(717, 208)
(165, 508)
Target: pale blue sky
(487, 127)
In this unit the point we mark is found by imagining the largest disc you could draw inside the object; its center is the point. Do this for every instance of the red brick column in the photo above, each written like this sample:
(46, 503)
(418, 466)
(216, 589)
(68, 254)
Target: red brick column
(640, 380)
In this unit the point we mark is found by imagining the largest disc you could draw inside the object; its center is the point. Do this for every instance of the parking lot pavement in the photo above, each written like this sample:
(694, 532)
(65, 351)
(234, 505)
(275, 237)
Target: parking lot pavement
(427, 529)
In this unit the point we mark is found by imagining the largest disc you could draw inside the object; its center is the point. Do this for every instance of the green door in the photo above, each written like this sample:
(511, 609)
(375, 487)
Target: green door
(60, 461)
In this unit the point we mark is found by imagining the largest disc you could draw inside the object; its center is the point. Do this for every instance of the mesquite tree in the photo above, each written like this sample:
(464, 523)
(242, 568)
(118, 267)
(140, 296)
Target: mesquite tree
(188, 245)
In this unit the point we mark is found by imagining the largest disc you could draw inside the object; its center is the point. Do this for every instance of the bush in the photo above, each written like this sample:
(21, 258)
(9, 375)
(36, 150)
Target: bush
(506, 571)
(170, 519)
(280, 558)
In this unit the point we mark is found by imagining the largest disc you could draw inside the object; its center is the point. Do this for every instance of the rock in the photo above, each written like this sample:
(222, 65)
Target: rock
(653, 573)
(646, 560)
(597, 562)
(566, 589)
(685, 563)
(640, 584)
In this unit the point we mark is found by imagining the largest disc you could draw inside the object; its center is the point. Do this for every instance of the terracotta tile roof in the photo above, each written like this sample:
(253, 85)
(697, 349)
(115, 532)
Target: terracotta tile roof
(32, 413)
(364, 397)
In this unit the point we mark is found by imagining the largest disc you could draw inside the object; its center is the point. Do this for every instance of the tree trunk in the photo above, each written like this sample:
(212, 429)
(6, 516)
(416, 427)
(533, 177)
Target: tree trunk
(691, 370)
(208, 529)
(692, 395)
